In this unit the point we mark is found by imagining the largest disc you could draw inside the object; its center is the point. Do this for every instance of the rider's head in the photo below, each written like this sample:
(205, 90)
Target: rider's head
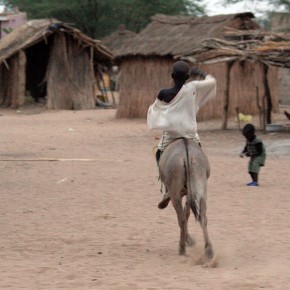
(180, 71)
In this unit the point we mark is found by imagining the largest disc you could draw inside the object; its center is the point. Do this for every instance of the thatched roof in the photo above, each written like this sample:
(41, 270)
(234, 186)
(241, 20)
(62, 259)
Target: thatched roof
(119, 40)
(280, 22)
(178, 36)
(36, 30)
(267, 47)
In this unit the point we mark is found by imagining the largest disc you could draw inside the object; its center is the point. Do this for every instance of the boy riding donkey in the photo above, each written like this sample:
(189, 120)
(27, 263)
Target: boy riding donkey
(174, 110)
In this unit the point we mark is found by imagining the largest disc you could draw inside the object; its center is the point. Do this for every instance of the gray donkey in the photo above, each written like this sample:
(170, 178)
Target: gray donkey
(184, 170)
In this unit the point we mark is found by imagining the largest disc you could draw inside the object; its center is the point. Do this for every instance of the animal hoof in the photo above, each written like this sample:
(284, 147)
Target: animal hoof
(209, 251)
(181, 252)
(190, 242)
(182, 249)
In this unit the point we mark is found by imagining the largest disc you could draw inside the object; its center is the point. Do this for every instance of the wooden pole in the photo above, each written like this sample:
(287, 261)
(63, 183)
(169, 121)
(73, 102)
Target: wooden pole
(239, 124)
(227, 96)
(267, 95)
(264, 113)
(113, 97)
(260, 109)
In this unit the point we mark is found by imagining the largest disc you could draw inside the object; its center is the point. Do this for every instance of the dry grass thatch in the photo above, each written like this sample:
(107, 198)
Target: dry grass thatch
(35, 30)
(178, 36)
(119, 40)
(280, 22)
(205, 38)
(266, 47)
(48, 58)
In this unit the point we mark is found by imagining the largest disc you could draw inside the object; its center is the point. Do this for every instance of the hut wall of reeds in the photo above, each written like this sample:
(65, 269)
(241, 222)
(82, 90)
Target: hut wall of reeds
(280, 22)
(49, 59)
(140, 81)
(284, 86)
(139, 88)
(246, 89)
(75, 82)
(12, 81)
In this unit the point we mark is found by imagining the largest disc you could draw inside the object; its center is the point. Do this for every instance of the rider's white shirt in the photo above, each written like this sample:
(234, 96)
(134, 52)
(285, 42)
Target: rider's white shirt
(178, 118)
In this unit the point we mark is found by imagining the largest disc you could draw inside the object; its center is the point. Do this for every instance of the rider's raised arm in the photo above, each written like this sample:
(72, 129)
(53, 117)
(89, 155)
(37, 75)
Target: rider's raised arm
(205, 89)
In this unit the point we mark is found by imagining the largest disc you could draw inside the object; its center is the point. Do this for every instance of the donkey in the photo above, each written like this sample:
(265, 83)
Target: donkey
(184, 170)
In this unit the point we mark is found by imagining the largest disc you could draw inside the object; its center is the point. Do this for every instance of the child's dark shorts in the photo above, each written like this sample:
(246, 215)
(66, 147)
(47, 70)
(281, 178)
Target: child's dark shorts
(256, 163)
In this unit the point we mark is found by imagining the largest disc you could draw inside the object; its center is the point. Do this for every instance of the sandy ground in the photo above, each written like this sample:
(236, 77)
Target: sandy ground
(79, 194)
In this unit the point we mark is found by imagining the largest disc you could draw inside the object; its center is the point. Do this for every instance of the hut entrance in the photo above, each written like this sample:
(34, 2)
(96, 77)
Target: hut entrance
(37, 57)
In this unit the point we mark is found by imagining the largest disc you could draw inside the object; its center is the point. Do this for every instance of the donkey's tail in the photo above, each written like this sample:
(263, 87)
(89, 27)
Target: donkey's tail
(191, 198)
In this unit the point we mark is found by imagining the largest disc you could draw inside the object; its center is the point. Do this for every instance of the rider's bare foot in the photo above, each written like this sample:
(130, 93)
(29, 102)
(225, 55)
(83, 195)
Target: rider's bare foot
(164, 202)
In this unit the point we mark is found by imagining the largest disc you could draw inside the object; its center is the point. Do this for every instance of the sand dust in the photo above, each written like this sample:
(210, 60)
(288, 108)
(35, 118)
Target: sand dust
(79, 194)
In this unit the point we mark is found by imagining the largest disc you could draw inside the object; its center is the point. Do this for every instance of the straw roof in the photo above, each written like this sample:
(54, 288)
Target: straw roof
(280, 21)
(119, 40)
(36, 30)
(267, 47)
(178, 36)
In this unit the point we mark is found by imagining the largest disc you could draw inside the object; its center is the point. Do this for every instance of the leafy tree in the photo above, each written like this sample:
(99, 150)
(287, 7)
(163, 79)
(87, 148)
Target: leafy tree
(98, 18)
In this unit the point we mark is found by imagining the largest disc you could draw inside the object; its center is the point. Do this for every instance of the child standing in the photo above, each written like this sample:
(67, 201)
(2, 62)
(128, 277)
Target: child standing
(254, 149)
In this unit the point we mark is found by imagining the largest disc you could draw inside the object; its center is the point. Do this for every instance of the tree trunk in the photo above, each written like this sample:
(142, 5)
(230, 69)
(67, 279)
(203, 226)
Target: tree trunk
(227, 96)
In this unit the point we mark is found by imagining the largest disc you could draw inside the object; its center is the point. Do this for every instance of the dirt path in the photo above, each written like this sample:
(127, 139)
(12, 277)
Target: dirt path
(90, 221)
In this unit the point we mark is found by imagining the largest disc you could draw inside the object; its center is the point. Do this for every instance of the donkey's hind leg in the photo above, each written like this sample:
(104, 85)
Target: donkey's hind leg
(203, 222)
(182, 221)
(189, 240)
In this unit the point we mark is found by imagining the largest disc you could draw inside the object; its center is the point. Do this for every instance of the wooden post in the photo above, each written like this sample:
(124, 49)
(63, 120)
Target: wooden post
(238, 118)
(113, 97)
(227, 96)
(21, 77)
(264, 113)
(267, 95)
(261, 112)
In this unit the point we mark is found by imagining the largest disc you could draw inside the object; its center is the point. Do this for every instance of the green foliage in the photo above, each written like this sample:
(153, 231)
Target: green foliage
(98, 18)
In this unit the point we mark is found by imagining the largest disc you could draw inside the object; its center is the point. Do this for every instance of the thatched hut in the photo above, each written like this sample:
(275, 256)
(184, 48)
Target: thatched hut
(49, 59)
(259, 47)
(146, 65)
(119, 40)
